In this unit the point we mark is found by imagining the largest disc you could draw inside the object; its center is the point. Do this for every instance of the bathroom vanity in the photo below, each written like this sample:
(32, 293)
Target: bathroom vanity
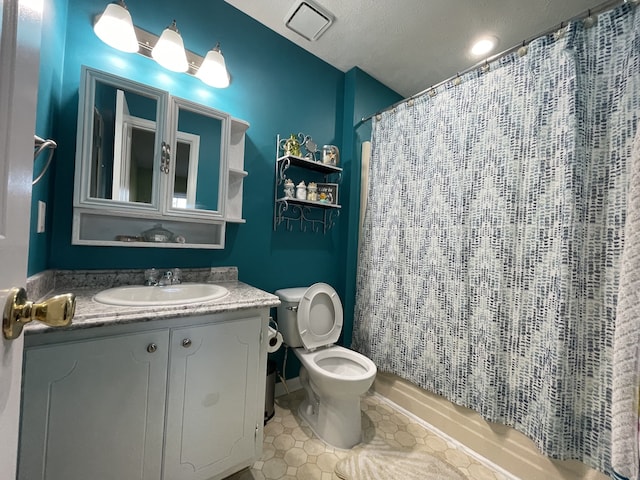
(173, 392)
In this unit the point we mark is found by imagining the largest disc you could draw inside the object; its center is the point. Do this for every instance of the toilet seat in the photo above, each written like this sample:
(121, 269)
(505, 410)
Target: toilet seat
(320, 316)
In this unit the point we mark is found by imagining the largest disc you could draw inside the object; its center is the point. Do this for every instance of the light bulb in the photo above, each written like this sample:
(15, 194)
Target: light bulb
(213, 70)
(169, 50)
(483, 46)
(115, 28)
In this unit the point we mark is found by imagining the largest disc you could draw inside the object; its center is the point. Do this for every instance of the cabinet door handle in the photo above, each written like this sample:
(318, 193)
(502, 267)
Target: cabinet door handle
(164, 158)
(168, 162)
(152, 347)
(186, 343)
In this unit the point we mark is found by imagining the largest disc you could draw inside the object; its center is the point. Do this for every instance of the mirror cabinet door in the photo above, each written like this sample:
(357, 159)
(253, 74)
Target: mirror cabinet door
(122, 137)
(199, 158)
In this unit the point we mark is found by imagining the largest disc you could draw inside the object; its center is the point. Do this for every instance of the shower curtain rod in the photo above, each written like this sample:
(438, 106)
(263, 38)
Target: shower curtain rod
(607, 5)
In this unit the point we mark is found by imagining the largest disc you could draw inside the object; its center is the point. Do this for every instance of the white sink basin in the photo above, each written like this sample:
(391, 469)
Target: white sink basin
(181, 294)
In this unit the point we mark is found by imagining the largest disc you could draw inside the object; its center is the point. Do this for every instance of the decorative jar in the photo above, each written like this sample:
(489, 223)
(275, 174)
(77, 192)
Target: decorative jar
(312, 192)
(158, 234)
(301, 191)
(330, 155)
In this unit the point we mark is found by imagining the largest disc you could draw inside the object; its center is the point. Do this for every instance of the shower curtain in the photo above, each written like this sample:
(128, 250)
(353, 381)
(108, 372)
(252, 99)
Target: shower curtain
(489, 259)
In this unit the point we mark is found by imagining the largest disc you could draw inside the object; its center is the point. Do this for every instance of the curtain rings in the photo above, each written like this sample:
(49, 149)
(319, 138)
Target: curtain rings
(590, 20)
(524, 49)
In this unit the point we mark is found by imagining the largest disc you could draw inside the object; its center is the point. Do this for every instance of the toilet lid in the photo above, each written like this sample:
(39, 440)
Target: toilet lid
(319, 316)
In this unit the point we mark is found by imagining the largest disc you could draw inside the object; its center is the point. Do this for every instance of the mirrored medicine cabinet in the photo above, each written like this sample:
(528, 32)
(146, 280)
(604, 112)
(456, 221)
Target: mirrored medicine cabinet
(147, 161)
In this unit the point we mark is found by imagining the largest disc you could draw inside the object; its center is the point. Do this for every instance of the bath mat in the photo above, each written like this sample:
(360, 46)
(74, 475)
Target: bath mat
(384, 462)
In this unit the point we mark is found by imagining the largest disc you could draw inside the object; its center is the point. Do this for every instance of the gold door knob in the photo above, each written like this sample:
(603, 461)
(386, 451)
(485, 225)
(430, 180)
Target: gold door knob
(55, 311)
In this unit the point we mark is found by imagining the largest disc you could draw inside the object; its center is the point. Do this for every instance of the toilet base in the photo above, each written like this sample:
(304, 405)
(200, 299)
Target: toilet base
(336, 421)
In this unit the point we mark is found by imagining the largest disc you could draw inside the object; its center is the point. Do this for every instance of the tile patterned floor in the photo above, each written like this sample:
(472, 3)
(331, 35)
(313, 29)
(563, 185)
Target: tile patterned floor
(291, 451)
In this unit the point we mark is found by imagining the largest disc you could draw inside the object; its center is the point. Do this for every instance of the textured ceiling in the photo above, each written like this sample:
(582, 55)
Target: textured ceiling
(410, 45)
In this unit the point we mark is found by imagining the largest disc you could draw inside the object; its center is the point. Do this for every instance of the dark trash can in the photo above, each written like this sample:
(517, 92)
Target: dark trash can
(269, 410)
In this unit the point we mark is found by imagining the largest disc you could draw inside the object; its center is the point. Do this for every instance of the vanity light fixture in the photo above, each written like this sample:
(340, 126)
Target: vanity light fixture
(115, 28)
(213, 70)
(112, 27)
(169, 51)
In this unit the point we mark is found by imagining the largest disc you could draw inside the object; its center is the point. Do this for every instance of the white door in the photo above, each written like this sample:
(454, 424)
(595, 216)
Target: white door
(19, 56)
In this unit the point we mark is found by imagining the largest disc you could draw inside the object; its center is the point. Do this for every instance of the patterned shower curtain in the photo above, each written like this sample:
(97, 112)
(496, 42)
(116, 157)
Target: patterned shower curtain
(489, 259)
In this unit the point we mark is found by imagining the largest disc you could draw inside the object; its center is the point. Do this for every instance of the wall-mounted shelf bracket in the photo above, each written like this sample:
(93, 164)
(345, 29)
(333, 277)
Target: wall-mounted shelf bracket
(312, 216)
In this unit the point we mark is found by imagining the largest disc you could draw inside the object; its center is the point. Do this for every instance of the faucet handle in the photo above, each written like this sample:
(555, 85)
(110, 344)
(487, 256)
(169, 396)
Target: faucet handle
(177, 276)
(151, 276)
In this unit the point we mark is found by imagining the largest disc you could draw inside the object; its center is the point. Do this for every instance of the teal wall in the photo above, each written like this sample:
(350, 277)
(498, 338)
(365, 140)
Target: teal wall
(276, 86)
(54, 21)
(364, 96)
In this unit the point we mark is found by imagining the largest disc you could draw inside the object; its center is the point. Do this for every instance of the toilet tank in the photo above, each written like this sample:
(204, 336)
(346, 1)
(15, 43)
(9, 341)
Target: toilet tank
(288, 318)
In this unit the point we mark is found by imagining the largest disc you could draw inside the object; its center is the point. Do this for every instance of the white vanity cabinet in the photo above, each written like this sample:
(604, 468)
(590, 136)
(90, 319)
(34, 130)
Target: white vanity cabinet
(183, 399)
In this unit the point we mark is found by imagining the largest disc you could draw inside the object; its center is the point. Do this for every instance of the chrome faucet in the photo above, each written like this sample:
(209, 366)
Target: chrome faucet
(169, 277)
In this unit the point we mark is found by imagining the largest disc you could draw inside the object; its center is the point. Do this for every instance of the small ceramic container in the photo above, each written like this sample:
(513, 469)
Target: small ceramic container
(312, 192)
(301, 191)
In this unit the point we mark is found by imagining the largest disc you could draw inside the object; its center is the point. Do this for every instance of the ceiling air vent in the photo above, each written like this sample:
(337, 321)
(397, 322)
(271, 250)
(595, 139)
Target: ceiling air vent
(308, 20)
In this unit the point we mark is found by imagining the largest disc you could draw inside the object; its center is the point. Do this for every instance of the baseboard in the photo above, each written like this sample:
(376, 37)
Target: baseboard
(459, 446)
(501, 445)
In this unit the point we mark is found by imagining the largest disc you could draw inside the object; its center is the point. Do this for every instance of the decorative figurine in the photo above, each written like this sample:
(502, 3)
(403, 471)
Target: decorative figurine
(292, 146)
(288, 188)
(325, 197)
(311, 148)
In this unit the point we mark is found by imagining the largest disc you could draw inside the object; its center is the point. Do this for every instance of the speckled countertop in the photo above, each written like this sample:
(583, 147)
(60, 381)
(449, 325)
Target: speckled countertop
(89, 313)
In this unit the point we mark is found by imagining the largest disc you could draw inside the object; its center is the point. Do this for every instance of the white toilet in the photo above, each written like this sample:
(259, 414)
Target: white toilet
(334, 377)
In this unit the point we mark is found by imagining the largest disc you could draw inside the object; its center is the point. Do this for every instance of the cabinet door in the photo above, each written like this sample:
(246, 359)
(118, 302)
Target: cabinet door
(198, 166)
(94, 409)
(120, 153)
(211, 404)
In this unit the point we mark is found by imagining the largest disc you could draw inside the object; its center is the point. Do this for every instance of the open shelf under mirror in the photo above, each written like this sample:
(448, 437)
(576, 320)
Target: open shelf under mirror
(115, 229)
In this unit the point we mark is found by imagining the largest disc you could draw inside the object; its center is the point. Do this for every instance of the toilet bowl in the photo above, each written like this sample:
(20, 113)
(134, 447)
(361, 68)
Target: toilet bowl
(333, 377)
